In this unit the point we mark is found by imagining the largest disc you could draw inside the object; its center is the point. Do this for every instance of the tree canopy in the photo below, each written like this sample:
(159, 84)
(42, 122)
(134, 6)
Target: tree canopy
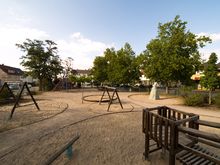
(116, 67)
(41, 60)
(211, 80)
(173, 55)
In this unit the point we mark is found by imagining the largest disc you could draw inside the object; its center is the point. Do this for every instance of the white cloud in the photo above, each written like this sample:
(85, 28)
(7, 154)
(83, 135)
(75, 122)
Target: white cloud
(206, 52)
(10, 35)
(214, 36)
(13, 34)
(210, 48)
(81, 49)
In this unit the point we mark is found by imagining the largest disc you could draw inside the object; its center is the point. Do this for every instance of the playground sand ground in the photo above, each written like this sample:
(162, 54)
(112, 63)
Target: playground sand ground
(105, 137)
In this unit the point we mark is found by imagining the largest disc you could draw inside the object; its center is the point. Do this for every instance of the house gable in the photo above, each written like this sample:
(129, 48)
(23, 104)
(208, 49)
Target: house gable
(81, 72)
(11, 70)
(10, 74)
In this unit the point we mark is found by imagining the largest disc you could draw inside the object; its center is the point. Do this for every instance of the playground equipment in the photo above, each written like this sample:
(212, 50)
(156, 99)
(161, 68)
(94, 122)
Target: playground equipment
(111, 93)
(178, 132)
(67, 147)
(19, 98)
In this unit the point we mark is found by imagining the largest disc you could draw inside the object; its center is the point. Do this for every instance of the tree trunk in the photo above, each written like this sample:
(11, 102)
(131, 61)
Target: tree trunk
(40, 84)
(210, 96)
(167, 89)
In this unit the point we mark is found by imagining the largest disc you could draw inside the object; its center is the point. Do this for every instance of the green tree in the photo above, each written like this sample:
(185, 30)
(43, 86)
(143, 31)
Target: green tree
(211, 79)
(41, 61)
(122, 69)
(173, 55)
(99, 70)
(116, 67)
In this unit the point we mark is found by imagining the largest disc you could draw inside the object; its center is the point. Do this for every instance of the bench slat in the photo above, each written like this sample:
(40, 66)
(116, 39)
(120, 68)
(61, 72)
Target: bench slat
(201, 154)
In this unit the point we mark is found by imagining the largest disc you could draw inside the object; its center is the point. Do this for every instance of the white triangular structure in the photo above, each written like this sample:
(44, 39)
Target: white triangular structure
(154, 95)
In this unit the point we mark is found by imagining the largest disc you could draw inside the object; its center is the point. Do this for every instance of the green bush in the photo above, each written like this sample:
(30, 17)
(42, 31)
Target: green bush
(5, 94)
(217, 100)
(194, 99)
(186, 90)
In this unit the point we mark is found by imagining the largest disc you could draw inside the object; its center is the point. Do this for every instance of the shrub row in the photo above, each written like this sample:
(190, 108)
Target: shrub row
(197, 99)
(217, 100)
(4, 94)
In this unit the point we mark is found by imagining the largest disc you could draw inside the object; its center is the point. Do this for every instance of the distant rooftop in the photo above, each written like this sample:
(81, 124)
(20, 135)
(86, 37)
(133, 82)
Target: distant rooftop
(11, 70)
(81, 71)
(218, 65)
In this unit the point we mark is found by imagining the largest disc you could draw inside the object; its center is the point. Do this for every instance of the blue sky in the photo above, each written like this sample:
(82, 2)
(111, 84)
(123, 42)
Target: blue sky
(83, 29)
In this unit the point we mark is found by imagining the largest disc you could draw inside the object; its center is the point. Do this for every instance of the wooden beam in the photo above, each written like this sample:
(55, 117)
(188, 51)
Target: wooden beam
(58, 153)
(202, 134)
(208, 123)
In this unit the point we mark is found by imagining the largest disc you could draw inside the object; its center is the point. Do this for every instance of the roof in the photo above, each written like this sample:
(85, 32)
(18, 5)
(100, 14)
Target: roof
(81, 71)
(218, 65)
(11, 70)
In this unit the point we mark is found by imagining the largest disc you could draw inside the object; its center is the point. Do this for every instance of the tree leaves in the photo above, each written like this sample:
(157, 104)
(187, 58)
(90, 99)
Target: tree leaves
(211, 79)
(116, 67)
(173, 55)
(41, 59)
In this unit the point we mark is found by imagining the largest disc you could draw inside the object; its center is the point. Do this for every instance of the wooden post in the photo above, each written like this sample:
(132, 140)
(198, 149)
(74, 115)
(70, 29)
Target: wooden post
(147, 139)
(19, 97)
(111, 99)
(16, 102)
(119, 99)
(102, 96)
(172, 144)
(31, 96)
(107, 90)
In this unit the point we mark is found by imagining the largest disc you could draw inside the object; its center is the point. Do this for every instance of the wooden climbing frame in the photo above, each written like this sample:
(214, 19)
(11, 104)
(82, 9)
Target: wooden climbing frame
(178, 132)
(111, 92)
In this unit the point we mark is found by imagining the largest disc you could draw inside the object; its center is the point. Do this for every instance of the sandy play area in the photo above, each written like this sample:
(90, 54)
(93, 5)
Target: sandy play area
(113, 137)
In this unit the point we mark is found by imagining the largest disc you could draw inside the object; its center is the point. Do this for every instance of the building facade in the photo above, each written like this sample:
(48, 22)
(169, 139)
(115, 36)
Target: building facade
(10, 74)
(81, 72)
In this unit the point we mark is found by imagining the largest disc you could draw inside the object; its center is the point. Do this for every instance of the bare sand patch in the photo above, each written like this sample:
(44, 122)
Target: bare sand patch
(27, 113)
(105, 137)
(110, 139)
(163, 100)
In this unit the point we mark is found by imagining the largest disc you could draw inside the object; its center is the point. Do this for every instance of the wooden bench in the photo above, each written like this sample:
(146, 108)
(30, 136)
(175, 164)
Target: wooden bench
(65, 147)
(177, 132)
(207, 148)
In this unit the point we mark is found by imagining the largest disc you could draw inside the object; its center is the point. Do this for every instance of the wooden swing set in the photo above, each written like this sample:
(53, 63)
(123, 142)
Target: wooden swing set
(18, 98)
(111, 92)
